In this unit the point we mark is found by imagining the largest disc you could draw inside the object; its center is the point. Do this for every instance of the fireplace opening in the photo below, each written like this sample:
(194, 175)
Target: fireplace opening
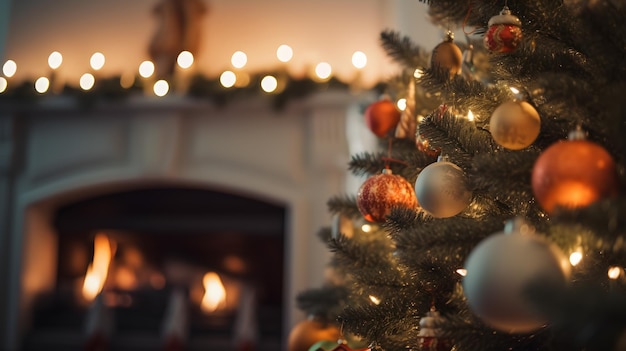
(148, 268)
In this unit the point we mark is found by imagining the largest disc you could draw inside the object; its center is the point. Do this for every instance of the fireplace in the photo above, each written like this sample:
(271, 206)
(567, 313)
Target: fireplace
(165, 241)
(73, 173)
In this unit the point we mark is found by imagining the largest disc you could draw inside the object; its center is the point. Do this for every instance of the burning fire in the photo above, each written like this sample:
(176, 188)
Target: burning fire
(214, 292)
(99, 268)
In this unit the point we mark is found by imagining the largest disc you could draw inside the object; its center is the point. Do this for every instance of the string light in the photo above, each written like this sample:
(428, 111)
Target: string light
(401, 104)
(462, 272)
(185, 59)
(323, 70)
(514, 90)
(614, 272)
(42, 84)
(470, 116)
(374, 299)
(9, 68)
(269, 84)
(146, 69)
(228, 79)
(284, 53)
(55, 60)
(239, 59)
(3, 84)
(575, 257)
(161, 87)
(87, 81)
(419, 73)
(366, 228)
(97, 61)
(359, 59)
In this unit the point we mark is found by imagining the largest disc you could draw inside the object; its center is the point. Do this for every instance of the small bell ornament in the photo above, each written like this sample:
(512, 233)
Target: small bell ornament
(429, 336)
(504, 33)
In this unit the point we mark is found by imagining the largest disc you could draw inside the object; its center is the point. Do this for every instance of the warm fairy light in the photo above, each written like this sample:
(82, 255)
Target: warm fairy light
(99, 268)
(470, 116)
(418, 73)
(366, 228)
(614, 272)
(228, 79)
(87, 81)
(374, 299)
(323, 70)
(462, 272)
(161, 87)
(284, 53)
(239, 59)
(401, 104)
(55, 60)
(97, 61)
(42, 84)
(9, 68)
(269, 84)
(214, 292)
(185, 59)
(146, 69)
(575, 257)
(359, 59)
(3, 84)
(514, 90)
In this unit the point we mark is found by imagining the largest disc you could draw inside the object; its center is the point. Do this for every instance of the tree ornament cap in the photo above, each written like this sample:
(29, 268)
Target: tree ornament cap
(505, 17)
(577, 134)
(443, 158)
(449, 36)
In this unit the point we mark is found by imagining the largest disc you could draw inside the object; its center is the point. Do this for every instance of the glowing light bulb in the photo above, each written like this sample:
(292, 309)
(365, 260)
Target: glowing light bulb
(374, 299)
(366, 228)
(575, 257)
(470, 116)
(323, 70)
(462, 272)
(514, 90)
(185, 59)
(359, 59)
(269, 84)
(401, 104)
(161, 87)
(419, 73)
(97, 61)
(55, 60)
(9, 68)
(3, 84)
(146, 69)
(87, 81)
(239, 59)
(42, 84)
(228, 79)
(614, 272)
(284, 53)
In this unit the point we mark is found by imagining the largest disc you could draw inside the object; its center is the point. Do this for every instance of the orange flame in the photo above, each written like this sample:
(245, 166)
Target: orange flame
(214, 292)
(99, 268)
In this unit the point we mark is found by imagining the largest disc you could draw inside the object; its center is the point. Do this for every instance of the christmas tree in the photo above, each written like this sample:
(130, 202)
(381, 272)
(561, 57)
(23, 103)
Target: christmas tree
(511, 235)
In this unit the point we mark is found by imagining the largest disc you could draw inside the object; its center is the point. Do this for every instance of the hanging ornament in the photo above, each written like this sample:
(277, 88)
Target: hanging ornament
(407, 126)
(382, 192)
(429, 336)
(500, 269)
(447, 55)
(441, 189)
(381, 117)
(573, 173)
(504, 33)
(515, 125)
(309, 331)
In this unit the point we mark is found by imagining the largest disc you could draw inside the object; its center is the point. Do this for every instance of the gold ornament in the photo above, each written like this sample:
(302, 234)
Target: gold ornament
(515, 125)
(447, 55)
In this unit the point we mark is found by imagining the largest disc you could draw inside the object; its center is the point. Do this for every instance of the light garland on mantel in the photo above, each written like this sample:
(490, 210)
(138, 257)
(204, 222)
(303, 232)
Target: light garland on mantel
(230, 84)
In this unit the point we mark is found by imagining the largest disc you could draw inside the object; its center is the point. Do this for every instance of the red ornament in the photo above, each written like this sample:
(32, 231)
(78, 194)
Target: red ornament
(504, 33)
(573, 173)
(380, 193)
(381, 117)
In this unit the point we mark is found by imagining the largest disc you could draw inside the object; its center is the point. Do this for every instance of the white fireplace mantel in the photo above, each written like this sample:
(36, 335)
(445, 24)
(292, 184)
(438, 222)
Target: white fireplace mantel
(56, 152)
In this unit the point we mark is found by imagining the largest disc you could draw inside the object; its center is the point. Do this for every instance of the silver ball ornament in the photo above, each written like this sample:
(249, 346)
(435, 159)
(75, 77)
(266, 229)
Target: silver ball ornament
(441, 189)
(499, 270)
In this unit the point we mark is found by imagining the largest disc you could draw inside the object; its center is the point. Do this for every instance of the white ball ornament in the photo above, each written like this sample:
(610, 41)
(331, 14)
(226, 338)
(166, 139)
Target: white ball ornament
(500, 269)
(441, 189)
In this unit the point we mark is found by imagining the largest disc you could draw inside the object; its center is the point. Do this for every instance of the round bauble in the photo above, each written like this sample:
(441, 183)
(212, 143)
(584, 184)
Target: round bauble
(380, 193)
(573, 174)
(515, 125)
(500, 269)
(447, 55)
(310, 331)
(382, 117)
(441, 189)
(504, 32)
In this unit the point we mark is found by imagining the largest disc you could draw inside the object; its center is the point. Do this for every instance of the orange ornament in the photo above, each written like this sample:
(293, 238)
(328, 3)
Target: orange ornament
(309, 331)
(381, 117)
(573, 174)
